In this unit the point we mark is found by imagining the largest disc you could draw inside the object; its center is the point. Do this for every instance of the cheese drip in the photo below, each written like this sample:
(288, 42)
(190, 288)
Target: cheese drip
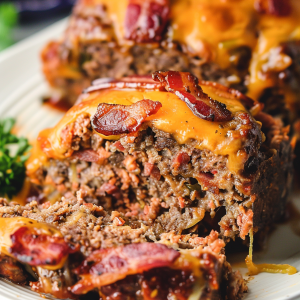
(174, 117)
(254, 269)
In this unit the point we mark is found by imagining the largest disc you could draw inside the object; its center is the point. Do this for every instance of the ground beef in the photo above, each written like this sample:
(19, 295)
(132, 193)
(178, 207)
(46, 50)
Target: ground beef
(170, 187)
(93, 228)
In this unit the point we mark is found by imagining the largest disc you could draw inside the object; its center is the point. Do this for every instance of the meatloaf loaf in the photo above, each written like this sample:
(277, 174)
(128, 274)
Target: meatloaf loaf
(178, 155)
(74, 249)
(251, 45)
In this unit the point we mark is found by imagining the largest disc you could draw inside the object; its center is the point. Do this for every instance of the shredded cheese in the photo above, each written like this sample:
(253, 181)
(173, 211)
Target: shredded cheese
(254, 269)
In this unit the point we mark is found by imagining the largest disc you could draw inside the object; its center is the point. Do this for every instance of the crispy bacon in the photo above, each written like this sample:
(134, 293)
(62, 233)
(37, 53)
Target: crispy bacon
(107, 266)
(181, 160)
(185, 86)
(279, 8)
(113, 119)
(227, 92)
(136, 82)
(38, 249)
(152, 170)
(86, 155)
(146, 20)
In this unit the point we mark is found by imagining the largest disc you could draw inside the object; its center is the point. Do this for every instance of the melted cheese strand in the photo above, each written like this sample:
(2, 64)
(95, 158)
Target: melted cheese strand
(254, 269)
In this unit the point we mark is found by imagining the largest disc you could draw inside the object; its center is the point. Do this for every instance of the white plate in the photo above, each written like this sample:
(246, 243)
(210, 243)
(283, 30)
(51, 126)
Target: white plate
(21, 88)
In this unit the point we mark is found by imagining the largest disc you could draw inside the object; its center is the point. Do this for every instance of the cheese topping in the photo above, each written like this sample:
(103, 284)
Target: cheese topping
(174, 117)
(254, 269)
(214, 28)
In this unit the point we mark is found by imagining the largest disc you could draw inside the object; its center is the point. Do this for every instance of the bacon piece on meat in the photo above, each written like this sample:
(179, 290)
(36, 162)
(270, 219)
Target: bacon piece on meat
(279, 8)
(136, 82)
(86, 155)
(107, 266)
(39, 249)
(114, 119)
(146, 20)
(226, 92)
(185, 86)
(151, 170)
(181, 160)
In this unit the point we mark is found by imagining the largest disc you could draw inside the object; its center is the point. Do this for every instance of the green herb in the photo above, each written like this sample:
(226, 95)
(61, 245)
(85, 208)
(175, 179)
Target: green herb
(13, 154)
(8, 19)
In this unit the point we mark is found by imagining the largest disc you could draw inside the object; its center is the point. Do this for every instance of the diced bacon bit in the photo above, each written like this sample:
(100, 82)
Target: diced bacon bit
(130, 163)
(61, 188)
(125, 179)
(151, 211)
(212, 241)
(146, 20)
(110, 189)
(118, 221)
(152, 171)
(103, 155)
(206, 181)
(119, 146)
(136, 82)
(170, 236)
(186, 87)
(38, 249)
(181, 159)
(46, 205)
(279, 8)
(114, 119)
(109, 265)
(245, 221)
(88, 155)
(181, 202)
(134, 180)
(114, 214)
(134, 210)
(148, 167)
(214, 172)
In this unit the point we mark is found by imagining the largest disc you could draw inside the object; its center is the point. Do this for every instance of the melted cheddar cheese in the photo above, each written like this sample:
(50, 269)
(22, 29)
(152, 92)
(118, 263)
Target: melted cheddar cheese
(254, 269)
(10, 225)
(212, 29)
(174, 117)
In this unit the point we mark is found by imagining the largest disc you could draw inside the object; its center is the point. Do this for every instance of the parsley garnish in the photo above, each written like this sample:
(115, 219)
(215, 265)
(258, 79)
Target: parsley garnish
(8, 19)
(13, 154)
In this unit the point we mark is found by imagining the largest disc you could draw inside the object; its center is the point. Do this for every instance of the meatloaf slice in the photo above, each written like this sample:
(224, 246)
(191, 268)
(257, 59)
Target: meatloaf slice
(108, 255)
(251, 45)
(178, 155)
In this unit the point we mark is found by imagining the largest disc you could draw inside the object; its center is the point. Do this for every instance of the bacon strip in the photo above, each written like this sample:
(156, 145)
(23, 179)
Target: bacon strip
(136, 82)
(227, 92)
(279, 8)
(146, 20)
(113, 119)
(107, 266)
(185, 86)
(38, 249)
